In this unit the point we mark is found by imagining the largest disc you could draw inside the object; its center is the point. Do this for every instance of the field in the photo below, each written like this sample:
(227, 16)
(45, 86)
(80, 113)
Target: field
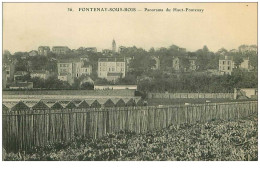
(225, 140)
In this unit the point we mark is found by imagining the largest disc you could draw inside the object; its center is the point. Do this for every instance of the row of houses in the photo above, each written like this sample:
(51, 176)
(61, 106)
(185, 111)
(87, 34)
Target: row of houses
(45, 50)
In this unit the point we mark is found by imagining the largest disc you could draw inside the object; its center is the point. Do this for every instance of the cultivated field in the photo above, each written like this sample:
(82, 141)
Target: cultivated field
(226, 140)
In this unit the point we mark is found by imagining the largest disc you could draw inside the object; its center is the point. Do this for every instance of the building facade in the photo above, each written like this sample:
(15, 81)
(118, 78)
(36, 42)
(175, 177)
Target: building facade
(157, 63)
(91, 49)
(72, 68)
(226, 65)
(176, 63)
(245, 65)
(60, 50)
(43, 74)
(111, 68)
(43, 50)
(9, 71)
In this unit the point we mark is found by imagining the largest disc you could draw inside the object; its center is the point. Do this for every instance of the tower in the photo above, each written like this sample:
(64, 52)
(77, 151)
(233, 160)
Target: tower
(113, 46)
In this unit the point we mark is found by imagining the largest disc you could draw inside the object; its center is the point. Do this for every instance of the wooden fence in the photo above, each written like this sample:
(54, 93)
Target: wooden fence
(191, 95)
(26, 129)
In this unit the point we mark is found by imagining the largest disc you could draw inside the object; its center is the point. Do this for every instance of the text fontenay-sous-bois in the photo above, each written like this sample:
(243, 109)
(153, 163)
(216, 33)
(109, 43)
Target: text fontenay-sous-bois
(135, 10)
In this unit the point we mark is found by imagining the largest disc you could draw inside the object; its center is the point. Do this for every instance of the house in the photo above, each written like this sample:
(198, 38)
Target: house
(43, 50)
(86, 70)
(245, 64)
(91, 49)
(245, 93)
(192, 62)
(66, 77)
(226, 65)
(60, 50)
(111, 68)
(128, 61)
(68, 69)
(43, 74)
(21, 85)
(8, 67)
(19, 74)
(33, 53)
(107, 51)
(121, 49)
(157, 63)
(176, 63)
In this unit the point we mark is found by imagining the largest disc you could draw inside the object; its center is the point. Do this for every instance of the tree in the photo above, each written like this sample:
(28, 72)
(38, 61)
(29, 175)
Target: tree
(87, 86)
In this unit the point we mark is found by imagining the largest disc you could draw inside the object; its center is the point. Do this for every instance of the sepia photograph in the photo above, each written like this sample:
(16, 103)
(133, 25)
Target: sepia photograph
(129, 81)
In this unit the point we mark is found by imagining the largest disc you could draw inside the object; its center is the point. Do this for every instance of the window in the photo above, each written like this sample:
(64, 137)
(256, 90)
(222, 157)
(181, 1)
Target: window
(87, 70)
(228, 68)
(223, 67)
(228, 62)
(223, 62)
(7, 72)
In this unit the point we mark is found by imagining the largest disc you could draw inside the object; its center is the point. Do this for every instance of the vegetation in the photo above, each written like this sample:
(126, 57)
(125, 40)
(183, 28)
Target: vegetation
(192, 82)
(225, 140)
(140, 73)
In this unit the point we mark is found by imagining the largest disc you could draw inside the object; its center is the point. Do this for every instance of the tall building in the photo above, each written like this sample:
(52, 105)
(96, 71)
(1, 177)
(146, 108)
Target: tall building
(113, 46)
(111, 68)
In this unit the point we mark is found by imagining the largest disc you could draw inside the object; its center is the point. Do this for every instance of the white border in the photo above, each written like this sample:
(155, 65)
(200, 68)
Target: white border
(128, 169)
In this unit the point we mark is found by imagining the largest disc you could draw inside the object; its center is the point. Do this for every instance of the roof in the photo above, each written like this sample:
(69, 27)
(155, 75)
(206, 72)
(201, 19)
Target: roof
(114, 74)
(54, 47)
(44, 47)
(111, 60)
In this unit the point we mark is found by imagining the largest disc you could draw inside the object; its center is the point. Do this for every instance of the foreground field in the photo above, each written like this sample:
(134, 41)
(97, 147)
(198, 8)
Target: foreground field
(231, 140)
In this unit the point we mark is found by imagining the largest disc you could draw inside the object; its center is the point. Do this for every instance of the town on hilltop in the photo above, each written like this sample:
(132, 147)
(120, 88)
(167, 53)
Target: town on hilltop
(164, 69)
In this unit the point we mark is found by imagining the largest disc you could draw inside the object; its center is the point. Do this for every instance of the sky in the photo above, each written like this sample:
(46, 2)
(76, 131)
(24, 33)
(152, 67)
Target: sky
(29, 25)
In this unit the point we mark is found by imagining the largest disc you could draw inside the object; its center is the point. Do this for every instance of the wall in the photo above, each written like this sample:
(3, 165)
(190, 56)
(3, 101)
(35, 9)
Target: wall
(190, 95)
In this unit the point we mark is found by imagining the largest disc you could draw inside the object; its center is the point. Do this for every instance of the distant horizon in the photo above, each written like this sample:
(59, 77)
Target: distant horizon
(26, 26)
(117, 46)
